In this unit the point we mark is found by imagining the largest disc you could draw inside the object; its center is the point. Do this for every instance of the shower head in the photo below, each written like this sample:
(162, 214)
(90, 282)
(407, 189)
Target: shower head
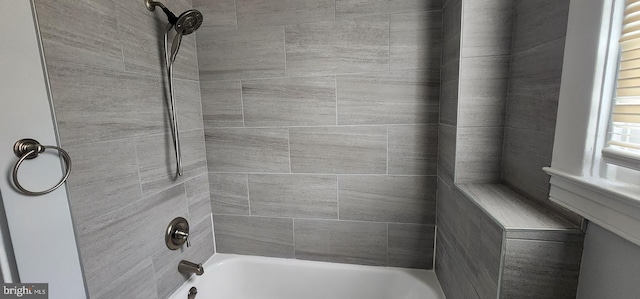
(188, 22)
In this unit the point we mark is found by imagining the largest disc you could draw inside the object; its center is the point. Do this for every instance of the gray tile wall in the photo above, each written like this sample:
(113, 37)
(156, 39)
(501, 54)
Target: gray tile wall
(497, 117)
(320, 124)
(104, 66)
(469, 247)
(534, 86)
(484, 69)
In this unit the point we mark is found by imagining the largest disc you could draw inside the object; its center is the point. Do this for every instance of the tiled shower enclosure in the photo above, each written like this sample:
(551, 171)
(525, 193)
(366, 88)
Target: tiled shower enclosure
(321, 127)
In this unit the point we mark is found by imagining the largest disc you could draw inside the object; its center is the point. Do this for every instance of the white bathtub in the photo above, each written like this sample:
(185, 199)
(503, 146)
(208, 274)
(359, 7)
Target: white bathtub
(229, 276)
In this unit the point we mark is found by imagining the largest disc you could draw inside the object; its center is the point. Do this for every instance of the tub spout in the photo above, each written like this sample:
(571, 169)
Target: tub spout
(188, 267)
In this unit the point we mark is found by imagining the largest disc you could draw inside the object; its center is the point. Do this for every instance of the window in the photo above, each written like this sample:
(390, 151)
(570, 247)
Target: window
(623, 145)
(589, 122)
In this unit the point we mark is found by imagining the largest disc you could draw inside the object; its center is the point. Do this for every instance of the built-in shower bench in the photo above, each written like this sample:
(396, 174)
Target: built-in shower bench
(522, 250)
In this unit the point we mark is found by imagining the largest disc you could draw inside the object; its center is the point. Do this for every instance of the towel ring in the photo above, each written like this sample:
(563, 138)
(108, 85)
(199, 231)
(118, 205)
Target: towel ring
(27, 149)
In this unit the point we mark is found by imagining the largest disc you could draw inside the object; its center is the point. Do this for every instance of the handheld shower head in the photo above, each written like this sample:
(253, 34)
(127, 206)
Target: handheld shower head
(188, 21)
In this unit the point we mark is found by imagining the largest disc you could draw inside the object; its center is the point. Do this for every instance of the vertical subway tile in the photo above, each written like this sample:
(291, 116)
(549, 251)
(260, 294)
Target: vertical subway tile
(80, 32)
(217, 13)
(247, 149)
(254, 235)
(225, 54)
(229, 193)
(341, 241)
(342, 46)
(199, 204)
(413, 149)
(353, 8)
(478, 154)
(104, 178)
(415, 40)
(293, 195)
(289, 102)
(339, 149)
(256, 13)
(403, 199)
(411, 245)
(157, 161)
(398, 97)
(487, 27)
(221, 103)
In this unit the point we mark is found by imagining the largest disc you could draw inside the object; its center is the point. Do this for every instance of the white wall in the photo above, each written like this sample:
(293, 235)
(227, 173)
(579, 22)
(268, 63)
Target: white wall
(40, 226)
(610, 266)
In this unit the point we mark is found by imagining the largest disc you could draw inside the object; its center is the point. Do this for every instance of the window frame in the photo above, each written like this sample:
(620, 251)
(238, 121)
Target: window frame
(578, 169)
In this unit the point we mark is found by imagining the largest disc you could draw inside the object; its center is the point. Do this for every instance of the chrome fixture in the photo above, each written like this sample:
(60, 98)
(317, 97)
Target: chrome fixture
(177, 233)
(192, 293)
(27, 149)
(187, 267)
(188, 22)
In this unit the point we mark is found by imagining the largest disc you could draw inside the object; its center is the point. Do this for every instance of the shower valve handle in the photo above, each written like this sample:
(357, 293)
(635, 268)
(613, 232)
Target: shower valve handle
(178, 234)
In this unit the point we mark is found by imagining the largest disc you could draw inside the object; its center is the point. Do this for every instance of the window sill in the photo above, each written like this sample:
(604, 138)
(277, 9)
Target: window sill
(612, 205)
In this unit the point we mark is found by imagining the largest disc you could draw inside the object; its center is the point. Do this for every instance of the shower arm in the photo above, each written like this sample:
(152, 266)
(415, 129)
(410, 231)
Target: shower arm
(174, 117)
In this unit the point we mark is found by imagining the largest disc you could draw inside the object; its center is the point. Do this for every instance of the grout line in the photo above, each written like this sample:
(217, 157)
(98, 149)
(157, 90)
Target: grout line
(135, 150)
(186, 199)
(326, 219)
(213, 232)
(324, 174)
(387, 261)
(389, 42)
(331, 126)
(338, 195)
(387, 150)
(235, 8)
(335, 81)
(293, 231)
(248, 195)
(284, 40)
(242, 104)
(289, 145)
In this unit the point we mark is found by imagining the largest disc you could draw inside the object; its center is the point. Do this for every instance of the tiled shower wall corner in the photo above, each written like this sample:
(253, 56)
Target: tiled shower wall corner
(532, 104)
(475, 66)
(507, 89)
(321, 127)
(104, 65)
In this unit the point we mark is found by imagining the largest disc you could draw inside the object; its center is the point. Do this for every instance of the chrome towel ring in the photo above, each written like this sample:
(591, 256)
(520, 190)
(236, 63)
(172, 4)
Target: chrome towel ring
(27, 149)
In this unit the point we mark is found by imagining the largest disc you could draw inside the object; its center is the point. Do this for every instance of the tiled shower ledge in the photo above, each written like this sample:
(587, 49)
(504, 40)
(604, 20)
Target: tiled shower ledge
(540, 252)
(518, 216)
